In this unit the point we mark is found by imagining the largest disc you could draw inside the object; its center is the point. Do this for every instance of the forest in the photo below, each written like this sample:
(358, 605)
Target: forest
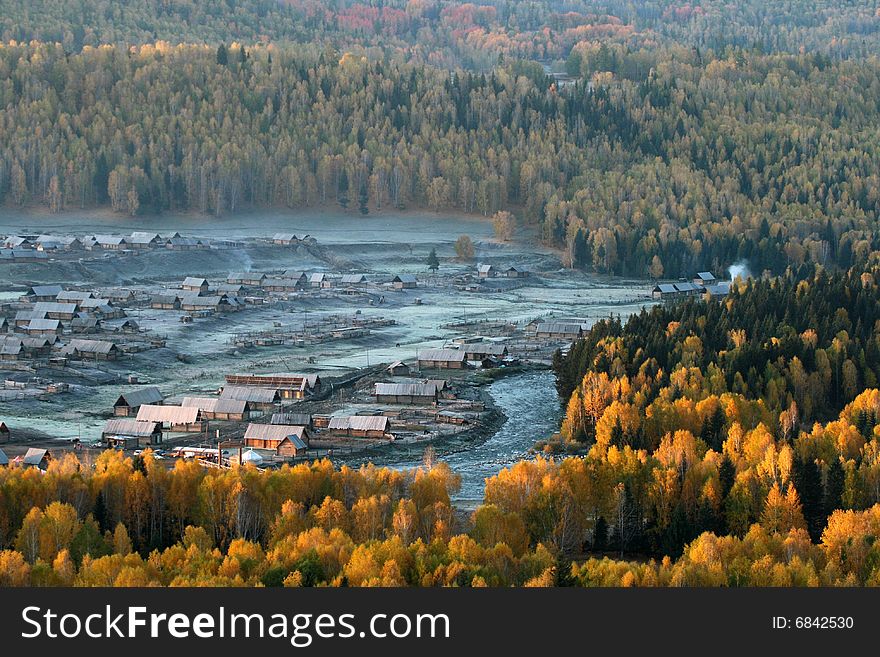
(709, 160)
(689, 137)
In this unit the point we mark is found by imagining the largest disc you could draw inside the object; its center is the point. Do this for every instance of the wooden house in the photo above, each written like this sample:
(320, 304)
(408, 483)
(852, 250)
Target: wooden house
(43, 327)
(38, 458)
(288, 386)
(404, 282)
(194, 284)
(216, 408)
(261, 399)
(285, 440)
(165, 302)
(42, 293)
(399, 368)
(360, 426)
(187, 419)
(405, 393)
(91, 350)
(129, 433)
(442, 359)
(129, 403)
(55, 310)
(487, 271)
(559, 331)
(284, 239)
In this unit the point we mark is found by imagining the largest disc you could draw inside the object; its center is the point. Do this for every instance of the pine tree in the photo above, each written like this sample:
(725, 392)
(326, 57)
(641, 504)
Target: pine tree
(808, 483)
(222, 55)
(433, 262)
(834, 482)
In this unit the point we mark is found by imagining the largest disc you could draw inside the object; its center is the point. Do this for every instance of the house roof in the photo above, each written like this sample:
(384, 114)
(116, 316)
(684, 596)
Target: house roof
(451, 355)
(705, 276)
(27, 315)
(73, 295)
(109, 240)
(134, 398)
(124, 426)
(144, 238)
(216, 404)
(486, 268)
(292, 273)
(686, 287)
(35, 456)
(560, 327)
(288, 237)
(491, 348)
(207, 302)
(354, 278)
(246, 276)
(359, 423)
(90, 346)
(406, 389)
(164, 298)
(38, 342)
(169, 414)
(192, 281)
(296, 419)
(278, 282)
(276, 433)
(665, 288)
(43, 325)
(252, 394)
(53, 307)
(44, 290)
(720, 290)
(404, 278)
(94, 303)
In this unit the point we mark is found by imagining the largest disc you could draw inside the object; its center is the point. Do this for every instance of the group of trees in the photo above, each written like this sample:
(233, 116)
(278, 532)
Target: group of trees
(132, 522)
(450, 31)
(704, 416)
(698, 161)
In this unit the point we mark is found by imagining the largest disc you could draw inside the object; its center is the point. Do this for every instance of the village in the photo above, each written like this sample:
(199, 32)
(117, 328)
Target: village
(299, 354)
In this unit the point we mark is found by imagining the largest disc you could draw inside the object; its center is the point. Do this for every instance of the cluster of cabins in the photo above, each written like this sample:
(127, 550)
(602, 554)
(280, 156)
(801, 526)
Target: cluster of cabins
(195, 295)
(295, 280)
(490, 271)
(35, 248)
(703, 283)
(35, 326)
(198, 295)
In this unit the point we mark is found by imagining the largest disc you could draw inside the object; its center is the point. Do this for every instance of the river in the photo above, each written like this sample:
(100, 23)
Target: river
(533, 412)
